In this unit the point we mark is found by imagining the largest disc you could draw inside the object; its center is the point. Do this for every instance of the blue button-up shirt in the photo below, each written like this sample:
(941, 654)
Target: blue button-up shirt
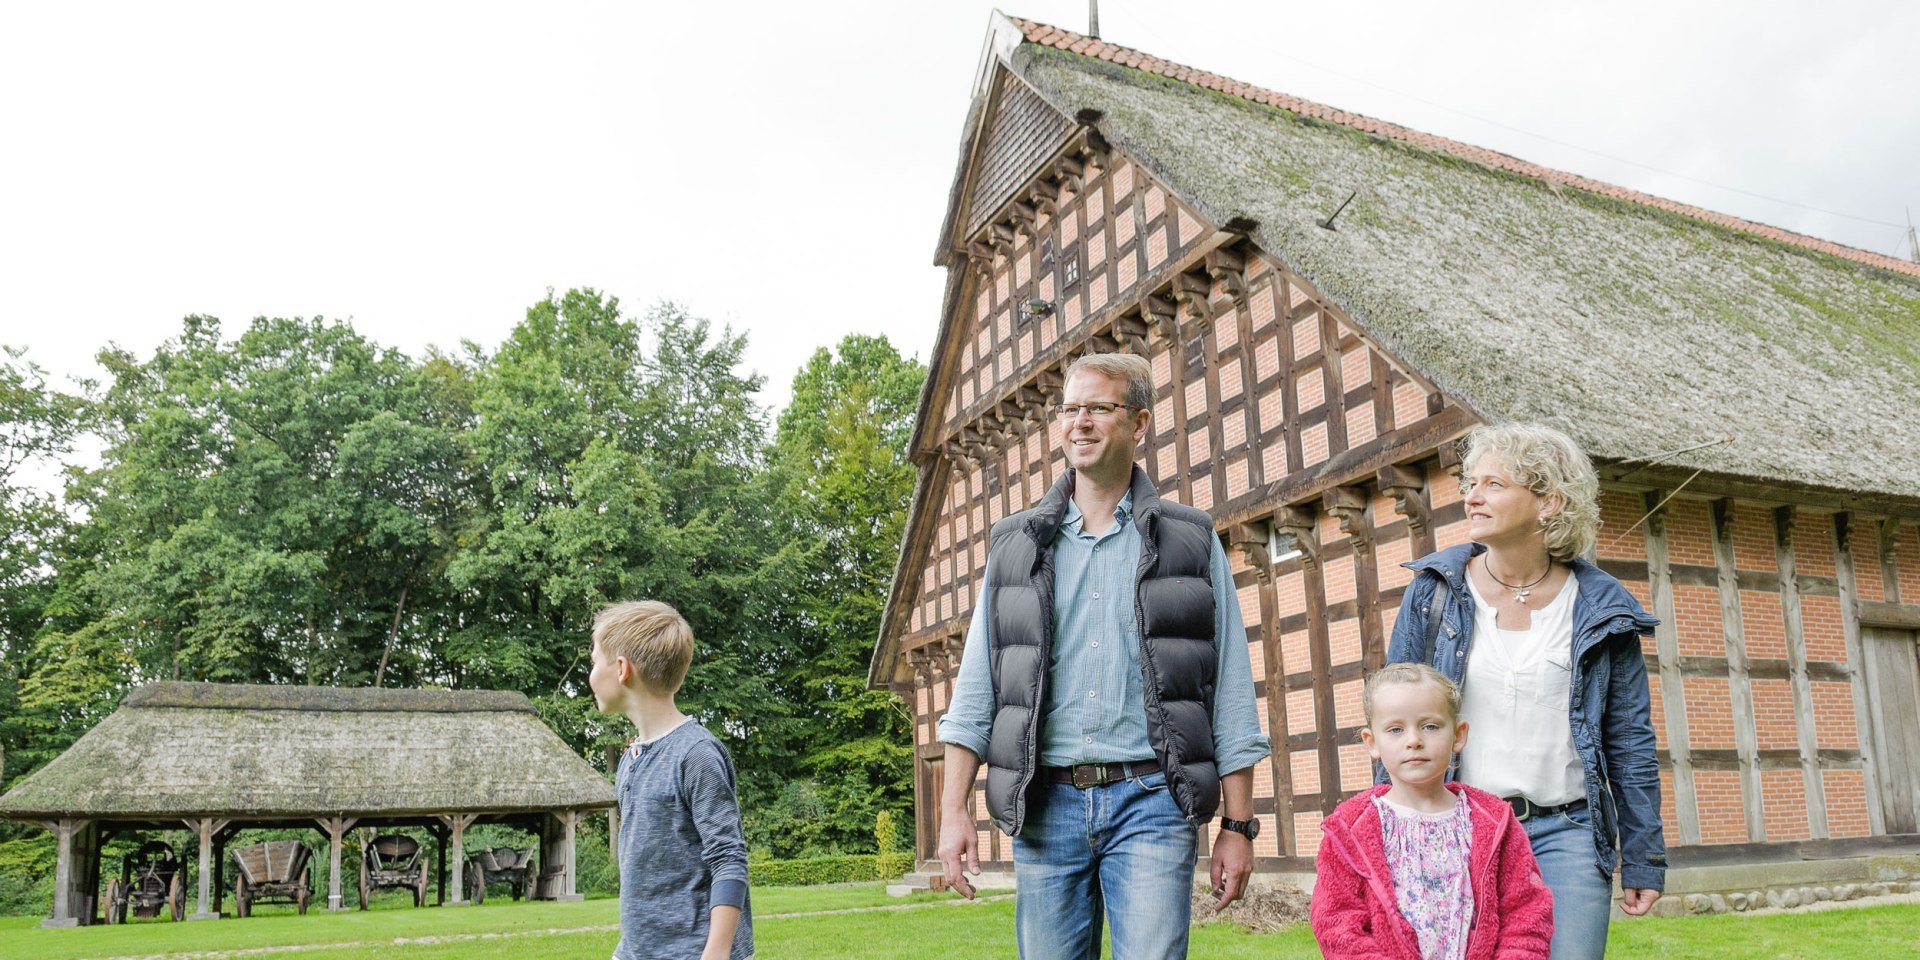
(1096, 710)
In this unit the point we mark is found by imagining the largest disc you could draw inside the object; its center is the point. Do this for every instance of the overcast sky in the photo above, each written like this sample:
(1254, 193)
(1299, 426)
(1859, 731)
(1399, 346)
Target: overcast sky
(429, 170)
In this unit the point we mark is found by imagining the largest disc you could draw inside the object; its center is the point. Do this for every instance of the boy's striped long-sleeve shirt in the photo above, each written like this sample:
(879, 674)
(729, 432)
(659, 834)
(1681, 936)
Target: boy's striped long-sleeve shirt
(681, 850)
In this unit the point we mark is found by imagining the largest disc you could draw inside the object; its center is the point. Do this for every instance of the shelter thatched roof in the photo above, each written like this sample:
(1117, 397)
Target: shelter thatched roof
(202, 749)
(1637, 324)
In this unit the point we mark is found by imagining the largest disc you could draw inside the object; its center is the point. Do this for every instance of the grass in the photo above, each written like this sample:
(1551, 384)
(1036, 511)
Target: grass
(942, 931)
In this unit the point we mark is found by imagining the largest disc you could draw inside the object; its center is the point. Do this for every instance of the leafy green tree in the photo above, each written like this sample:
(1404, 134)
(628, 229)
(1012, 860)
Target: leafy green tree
(844, 484)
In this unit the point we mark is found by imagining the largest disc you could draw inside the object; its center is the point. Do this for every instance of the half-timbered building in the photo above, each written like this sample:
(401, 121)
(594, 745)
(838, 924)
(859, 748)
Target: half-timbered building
(1328, 302)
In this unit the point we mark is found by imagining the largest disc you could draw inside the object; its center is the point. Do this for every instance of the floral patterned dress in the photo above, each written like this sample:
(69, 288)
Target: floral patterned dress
(1428, 855)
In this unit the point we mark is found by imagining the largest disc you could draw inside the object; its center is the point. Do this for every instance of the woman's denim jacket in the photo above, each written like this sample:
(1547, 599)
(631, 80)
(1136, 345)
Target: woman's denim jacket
(1609, 706)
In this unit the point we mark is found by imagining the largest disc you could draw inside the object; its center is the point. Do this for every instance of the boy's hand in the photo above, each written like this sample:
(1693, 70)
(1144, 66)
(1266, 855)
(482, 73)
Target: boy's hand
(959, 847)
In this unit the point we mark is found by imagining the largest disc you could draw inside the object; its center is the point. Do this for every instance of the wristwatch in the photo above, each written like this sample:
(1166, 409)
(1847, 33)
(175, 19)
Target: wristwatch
(1247, 828)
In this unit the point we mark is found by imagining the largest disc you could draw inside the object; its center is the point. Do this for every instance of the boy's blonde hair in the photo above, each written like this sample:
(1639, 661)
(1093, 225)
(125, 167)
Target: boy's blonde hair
(1394, 673)
(653, 636)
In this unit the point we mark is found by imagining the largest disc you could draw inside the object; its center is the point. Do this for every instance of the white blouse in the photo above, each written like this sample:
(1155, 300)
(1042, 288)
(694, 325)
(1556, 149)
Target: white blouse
(1514, 699)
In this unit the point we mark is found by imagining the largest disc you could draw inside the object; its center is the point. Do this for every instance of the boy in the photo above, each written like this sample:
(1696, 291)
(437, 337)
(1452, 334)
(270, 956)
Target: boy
(683, 864)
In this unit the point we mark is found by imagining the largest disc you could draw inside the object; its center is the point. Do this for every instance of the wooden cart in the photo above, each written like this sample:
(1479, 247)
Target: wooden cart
(276, 869)
(150, 878)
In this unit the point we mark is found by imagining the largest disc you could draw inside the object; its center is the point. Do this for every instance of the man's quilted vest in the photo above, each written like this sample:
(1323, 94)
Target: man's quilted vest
(1173, 607)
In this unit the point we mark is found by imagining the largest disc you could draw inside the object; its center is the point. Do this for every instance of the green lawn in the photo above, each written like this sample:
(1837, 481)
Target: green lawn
(940, 931)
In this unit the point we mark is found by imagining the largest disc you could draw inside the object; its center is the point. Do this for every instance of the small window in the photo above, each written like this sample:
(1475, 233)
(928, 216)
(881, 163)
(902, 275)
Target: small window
(1070, 272)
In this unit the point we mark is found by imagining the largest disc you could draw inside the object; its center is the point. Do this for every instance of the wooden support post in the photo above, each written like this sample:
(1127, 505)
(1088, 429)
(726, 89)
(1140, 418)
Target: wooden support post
(1673, 694)
(1746, 737)
(1862, 669)
(206, 828)
(71, 893)
(614, 752)
(1815, 785)
(573, 861)
(336, 830)
(456, 824)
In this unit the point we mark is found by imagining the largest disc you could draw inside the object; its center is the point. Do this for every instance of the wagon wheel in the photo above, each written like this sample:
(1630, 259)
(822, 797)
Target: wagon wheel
(363, 879)
(243, 897)
(524, 890)
(477, 884)
(177, 896)
(116, 901)
(304, 892)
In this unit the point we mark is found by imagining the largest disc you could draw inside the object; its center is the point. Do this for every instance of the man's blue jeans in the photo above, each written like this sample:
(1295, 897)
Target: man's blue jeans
(1582, 895)
(1123, 851)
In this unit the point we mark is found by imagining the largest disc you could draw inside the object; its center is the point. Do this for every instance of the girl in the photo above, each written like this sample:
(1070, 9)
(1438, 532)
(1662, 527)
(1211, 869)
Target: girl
(1420, 868)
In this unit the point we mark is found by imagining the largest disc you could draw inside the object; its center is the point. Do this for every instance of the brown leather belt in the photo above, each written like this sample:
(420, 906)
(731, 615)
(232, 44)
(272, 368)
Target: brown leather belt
(1524, 809)
(1087, 775)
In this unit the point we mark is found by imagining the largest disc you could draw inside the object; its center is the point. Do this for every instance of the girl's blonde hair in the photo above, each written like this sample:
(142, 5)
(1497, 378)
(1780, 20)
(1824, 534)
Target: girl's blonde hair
(1394, 673)
(1553, 466)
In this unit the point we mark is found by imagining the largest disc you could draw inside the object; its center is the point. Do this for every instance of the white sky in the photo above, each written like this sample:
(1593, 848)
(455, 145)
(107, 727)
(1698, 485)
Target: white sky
(429, 170)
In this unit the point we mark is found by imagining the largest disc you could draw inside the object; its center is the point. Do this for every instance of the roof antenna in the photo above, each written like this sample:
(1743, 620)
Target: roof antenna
(1093, 19)
(1913, 242)
(1328, 222)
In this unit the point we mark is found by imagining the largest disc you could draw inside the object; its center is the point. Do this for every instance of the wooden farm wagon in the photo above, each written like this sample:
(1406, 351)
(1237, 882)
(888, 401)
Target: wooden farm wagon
(219, 758)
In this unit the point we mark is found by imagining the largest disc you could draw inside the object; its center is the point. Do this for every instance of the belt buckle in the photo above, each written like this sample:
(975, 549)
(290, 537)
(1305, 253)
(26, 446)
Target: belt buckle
(1087, 775)
(1522, 808)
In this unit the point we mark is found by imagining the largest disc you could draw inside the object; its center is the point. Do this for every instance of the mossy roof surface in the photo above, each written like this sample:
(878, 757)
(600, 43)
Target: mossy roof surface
(1636, 329)
(179, 750)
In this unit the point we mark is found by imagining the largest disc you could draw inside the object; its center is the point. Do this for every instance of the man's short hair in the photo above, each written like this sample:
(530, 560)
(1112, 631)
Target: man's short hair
(1131, 369)
(653, 636)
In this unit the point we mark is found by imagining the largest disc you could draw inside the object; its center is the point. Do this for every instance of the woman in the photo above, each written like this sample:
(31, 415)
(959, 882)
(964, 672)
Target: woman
(1546, 650)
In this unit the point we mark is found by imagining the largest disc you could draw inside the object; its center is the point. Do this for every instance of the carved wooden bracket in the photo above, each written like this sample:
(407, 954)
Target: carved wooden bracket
(1404, 485)
(1033, 404)
(1000, 237)
(1194, 291)
(1046, 196)
(1251, 540)
(1164, 315)
(1023, 214)
(1132, 329)
(1229, 270)
(1095, 151)
(1450, 459)
(1072, 173)
(951, 648)
(1050, 381)
(1349, 504)
(980, 257)
(1723, 520)
(1300, 524)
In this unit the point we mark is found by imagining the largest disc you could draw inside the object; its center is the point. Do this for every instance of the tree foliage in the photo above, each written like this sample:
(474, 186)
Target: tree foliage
(298, 504)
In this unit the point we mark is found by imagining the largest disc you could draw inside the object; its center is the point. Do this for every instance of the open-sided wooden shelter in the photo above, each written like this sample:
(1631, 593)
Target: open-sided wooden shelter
(218, 758)
(1328, 301)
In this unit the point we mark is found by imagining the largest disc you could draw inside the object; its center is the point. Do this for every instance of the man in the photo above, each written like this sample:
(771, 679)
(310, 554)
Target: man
(1106, 684)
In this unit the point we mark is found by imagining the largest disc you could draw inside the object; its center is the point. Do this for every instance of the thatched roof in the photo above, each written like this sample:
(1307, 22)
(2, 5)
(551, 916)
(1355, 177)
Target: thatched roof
(1637, 324)
(203, 749)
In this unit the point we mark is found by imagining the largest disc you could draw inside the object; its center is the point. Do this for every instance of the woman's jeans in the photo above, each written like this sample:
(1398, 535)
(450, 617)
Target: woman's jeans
(1582, 895)
(1123, 851)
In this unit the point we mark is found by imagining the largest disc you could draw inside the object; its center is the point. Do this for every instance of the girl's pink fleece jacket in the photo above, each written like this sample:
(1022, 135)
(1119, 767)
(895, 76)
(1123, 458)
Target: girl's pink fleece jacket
(1354, 912)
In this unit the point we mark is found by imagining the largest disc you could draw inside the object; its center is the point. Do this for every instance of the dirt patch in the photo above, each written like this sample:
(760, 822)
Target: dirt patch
(1263, 910)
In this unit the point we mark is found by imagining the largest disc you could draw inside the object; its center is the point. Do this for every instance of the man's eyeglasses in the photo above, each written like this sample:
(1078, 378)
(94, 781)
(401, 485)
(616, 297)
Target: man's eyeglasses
(1099, 411)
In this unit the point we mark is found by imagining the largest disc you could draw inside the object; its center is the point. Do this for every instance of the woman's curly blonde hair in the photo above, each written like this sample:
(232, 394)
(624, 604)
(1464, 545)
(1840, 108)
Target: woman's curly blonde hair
(1554, 467)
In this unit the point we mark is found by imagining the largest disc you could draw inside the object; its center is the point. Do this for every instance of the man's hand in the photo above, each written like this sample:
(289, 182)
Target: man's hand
(1232, 863)
(959, 848)
(1636, 901)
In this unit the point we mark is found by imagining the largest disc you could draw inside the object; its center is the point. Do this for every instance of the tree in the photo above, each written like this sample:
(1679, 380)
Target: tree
(840, 462)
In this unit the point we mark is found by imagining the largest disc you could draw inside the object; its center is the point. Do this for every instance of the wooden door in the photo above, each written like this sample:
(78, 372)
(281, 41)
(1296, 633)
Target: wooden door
(1893, 709)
